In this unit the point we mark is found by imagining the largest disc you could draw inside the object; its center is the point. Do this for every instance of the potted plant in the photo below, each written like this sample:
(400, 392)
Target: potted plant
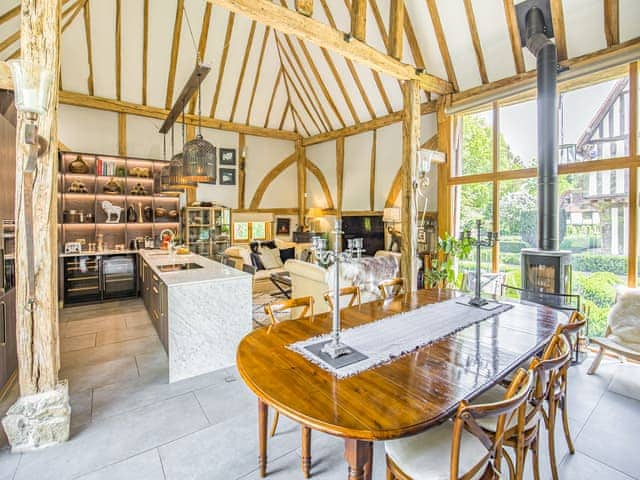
(443, 269)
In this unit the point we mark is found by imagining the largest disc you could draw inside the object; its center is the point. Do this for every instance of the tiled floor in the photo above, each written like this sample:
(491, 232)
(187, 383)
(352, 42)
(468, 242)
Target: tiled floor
(129, 423)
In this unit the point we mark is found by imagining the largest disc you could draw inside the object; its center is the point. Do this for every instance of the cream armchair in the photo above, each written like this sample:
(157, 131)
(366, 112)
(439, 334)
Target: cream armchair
(308, 280)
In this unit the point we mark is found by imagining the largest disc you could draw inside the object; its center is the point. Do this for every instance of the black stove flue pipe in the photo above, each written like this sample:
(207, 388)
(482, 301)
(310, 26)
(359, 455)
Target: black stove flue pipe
(547, 61)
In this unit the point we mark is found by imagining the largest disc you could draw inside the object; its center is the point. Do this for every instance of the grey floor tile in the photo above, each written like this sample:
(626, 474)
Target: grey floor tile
(115, 439)
(80, 342)
(625, 381)
(146, 466)
(80, 408)
(225, 450)
(90, 325)
(97, 375)
(105, 353)
(227, 400)
(153, 363)
(581, 467)
(611, 434)
(121, 334)
(8, 463)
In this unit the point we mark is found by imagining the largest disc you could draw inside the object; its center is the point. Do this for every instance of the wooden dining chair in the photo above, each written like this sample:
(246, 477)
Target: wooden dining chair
(391, 288)
(353, 292)
(523, 435)
(463, 449)
(300, 308)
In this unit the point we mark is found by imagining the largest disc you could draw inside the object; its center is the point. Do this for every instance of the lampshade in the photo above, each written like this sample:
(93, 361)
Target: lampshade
(391, 215)
(199, 161)
(315, 212)
(32, 85)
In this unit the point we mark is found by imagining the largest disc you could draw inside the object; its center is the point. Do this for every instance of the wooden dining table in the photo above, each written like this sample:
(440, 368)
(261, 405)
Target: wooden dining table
(402, 397)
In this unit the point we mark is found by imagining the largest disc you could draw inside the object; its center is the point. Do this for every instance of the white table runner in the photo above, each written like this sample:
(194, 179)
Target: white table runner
(386, 339)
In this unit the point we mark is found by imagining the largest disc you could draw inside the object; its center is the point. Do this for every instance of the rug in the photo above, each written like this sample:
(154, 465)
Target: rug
(262, 295)
(626, 380)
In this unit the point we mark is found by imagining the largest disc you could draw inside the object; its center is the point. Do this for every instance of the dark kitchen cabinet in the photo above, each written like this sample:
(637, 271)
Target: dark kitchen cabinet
(8, 341)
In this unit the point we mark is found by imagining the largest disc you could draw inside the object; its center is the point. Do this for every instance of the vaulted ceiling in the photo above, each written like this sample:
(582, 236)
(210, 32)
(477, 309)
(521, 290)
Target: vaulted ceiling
(142, 51)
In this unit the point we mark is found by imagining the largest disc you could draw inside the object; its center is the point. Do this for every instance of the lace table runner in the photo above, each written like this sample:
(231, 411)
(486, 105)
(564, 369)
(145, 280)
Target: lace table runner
(386, 339)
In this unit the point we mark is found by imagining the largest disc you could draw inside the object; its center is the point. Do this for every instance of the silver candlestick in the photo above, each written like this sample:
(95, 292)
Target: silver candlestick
(478, 242)
(335, 348)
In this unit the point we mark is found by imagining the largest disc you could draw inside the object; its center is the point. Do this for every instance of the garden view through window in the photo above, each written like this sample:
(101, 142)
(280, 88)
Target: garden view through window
(594, 205)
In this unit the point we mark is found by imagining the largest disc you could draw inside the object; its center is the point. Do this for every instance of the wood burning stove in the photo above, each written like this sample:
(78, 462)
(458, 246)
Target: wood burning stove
(546, 271)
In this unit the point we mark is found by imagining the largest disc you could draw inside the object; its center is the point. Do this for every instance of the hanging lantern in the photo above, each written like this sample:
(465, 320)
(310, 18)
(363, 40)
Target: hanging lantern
(199, 156)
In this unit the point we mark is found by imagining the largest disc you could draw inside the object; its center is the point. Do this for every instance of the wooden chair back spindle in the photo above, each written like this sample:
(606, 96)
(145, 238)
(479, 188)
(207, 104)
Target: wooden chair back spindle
(353, 291)
(391, 288)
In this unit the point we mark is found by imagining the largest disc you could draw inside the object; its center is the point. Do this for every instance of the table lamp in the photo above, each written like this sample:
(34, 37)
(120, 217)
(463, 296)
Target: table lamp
(314, 212)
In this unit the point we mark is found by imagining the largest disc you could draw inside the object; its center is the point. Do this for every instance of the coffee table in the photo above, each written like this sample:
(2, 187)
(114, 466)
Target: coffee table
(282, 281)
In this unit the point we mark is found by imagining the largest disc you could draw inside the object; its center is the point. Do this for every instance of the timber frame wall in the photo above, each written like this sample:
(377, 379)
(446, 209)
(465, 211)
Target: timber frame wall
(447, 181)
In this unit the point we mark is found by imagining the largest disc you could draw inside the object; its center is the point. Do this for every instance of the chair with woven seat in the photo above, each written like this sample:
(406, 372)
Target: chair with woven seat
(622, 335)
(461, 449)
(547, 371)
(300, 308)
(391, 288)
(352, 291)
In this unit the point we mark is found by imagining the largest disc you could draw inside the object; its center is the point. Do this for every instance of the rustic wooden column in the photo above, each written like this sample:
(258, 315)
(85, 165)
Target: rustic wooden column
(445, 127)
(301, 164)
(40, 417)
(410, 142)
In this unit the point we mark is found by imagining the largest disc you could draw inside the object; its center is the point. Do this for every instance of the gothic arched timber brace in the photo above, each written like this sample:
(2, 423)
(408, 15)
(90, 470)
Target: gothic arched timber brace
(281, 167)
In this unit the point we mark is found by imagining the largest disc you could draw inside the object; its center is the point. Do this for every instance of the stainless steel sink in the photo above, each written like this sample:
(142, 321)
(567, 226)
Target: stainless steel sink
(177, 267)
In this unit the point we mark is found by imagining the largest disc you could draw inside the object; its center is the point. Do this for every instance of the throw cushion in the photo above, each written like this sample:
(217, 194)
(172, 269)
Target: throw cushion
(287, 254)
(275, 253)
(269, 259)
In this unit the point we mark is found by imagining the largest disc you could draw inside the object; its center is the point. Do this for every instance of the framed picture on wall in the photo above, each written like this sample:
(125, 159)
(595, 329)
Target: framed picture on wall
(227, 176)
(227, 156)
(283, 226)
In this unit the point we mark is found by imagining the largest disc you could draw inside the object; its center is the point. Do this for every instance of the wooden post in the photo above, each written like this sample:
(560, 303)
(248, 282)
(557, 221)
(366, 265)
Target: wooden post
(305, 7)
(396, 28)
(122, 134)
(41, 415)
(359, 19)
(444, 171)
(372, 172)
(632, 269)
(339, 174)
(302, 180)
(241, 170)
(410, 142)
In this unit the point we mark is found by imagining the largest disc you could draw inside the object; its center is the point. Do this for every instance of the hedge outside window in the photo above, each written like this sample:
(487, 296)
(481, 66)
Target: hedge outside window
(248, 231)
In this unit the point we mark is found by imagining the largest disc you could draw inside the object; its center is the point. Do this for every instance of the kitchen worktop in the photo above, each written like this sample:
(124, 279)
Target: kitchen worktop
(211, 271)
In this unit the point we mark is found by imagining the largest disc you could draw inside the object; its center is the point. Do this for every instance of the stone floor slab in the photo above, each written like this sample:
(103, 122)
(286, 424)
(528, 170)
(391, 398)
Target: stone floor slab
(146, 466)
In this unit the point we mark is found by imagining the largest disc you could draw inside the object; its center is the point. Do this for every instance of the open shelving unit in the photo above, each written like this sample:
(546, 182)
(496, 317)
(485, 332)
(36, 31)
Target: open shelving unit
(207, 230)
(123, 232)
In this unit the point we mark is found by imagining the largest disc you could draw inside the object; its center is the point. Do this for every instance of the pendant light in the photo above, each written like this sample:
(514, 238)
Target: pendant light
(176, 169)
(199, 156)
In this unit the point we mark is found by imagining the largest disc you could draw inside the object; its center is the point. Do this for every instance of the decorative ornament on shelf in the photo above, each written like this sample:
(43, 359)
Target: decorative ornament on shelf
(113, 212)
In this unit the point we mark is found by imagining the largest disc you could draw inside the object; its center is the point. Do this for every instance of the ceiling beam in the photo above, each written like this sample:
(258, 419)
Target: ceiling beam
(145, 51)
(87, 34)
(175, 48)
(442, 43)
(290, 22)
(396, 28)
(611, 22)
(385, 40)
(110, 105)
(202, 48)
(359, 19)
(395, 117)
(514, 35)
(243, 69)
(119, 49)
(276, 84)
(5, 17)
(6, 83)
(416, 53)
(223, 63)
(590, 63)
(305, 7)
(475, 38)
(557, 19)
(256, 77)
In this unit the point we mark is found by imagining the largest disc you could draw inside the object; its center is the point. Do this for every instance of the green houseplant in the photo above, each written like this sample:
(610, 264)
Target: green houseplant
(443, 271)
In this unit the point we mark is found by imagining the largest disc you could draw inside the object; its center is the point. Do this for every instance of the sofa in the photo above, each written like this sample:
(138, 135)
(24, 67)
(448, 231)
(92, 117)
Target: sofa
(308, 279)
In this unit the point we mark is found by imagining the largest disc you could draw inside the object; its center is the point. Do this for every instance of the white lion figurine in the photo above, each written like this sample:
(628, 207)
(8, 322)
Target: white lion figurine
(111, 210)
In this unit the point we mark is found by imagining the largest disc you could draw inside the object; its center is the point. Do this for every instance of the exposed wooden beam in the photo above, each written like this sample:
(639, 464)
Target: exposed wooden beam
(110, 105)
(320, 81)
(352, 69)
(75, 10)
(290, 22)
(6, 82)
(410, 142)
(315, 170)
(273, 97)
(10, 40)
(223, 63)
(243, 69)
(175, 48)
(87, 35)
(301, 170)
(341, 87)
(302, 82)
(590, 63)
(359, 19)
(634, 173)
(303, 70)
(514, 35)
(305, 7)
(202, 49)
(444, 139)
(119, 49)
(299, 121)
(374, 124)
(557, 19)
(9, 14)
(612, 22)
(396, 28)
(145, 51)
(256, 77)
(475, 38)
(242, 142)
(442, 43)
(284, 115)
(372, 171)
(339, 174)
(416, 53)
(268, 178)
(122, 134)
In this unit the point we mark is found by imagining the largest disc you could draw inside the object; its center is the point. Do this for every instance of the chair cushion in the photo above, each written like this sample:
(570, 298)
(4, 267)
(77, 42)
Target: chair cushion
(428, 455)
(493, 395)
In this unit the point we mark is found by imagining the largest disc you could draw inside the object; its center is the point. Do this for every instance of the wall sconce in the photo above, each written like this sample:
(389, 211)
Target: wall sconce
(32, 87)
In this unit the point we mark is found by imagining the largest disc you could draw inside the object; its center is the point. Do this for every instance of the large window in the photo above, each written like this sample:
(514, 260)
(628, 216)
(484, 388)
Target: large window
(594, 200)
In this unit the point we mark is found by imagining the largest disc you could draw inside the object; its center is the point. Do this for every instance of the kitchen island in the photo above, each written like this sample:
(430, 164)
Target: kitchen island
(200, 308)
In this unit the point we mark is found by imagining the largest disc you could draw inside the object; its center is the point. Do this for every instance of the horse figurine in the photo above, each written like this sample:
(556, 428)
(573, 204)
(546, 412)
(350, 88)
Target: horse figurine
(111, 210)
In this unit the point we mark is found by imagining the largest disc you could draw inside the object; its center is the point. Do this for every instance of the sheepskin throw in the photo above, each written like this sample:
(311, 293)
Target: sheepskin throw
(624, 319)
(367, 273)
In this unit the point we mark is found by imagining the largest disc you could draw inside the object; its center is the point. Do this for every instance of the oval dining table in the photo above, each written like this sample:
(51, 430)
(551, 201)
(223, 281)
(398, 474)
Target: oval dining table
(402, 397)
